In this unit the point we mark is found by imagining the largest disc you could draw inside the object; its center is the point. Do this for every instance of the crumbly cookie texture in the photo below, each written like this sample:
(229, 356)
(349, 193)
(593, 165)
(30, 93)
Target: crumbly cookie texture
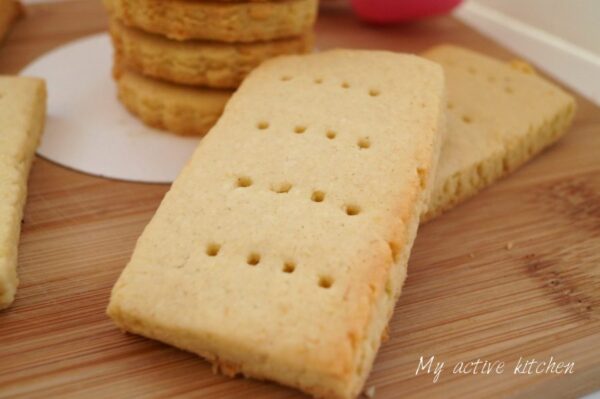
(280, 250)
(499, 116)
(196, 62)
(22, 115)
(10, 11)
(219, 21)
(184, 110)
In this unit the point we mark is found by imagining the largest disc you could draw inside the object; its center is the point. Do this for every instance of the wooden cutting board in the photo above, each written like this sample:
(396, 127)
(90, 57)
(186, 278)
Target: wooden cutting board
(468, 296)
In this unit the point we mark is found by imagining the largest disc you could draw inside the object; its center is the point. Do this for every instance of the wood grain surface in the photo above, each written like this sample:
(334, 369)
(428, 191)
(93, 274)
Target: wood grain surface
(468, 295)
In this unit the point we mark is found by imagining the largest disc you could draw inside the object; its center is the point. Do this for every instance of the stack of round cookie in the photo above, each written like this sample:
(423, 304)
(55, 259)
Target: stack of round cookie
(178, 61)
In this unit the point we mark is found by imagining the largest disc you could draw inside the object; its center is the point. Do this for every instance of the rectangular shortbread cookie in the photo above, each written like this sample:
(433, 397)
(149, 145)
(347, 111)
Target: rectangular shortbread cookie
(280, 250)
(10, 10)
(499, 116)
(22, 114)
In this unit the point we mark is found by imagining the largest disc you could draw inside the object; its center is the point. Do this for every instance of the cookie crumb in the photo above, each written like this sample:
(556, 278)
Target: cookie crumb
(472, 255)
(509, 245)
(370, 392)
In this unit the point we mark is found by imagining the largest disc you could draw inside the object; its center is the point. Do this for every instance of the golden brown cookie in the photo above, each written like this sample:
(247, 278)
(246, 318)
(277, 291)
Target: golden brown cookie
(180, 109)
(499, 114)
(195, 62)
(22, 116)
(220, 21)
(282, 247)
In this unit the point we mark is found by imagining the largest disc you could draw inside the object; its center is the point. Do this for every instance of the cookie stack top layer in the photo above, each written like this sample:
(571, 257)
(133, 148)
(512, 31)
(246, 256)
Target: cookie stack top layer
(219, 21)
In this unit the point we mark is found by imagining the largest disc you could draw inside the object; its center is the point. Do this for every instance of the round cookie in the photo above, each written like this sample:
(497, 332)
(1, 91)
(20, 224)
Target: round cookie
(220, 21)
(195, 62)
(180, 109)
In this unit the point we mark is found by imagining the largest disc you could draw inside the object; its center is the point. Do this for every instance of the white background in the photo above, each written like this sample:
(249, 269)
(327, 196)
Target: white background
(577, 21)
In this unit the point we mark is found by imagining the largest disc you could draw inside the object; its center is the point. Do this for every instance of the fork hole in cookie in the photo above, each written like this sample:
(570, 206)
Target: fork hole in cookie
(345, 85)
(213, 249)
(449, 105)
(300, 129)
(318, 81)
(364, 143)
(509, 90)
(422, 177)
(325, 282)
(330, 134)
(253, 259)
(394, 250)
(281, 188)
(467, 119)
(472, 70)
(352, 210)
(286, 78)
(374, 92)
(318, 196)
(289, 266)
(262, 125)
(244, 181)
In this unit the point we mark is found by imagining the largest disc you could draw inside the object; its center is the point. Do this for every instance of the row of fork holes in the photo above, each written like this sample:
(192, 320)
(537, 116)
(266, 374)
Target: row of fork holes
(344, 84)
(254, 258)
(492, 79)
(362, 143)
(282, 188)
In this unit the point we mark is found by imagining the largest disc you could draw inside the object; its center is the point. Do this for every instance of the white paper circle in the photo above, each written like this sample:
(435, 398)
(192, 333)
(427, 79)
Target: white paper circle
(88, 130)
